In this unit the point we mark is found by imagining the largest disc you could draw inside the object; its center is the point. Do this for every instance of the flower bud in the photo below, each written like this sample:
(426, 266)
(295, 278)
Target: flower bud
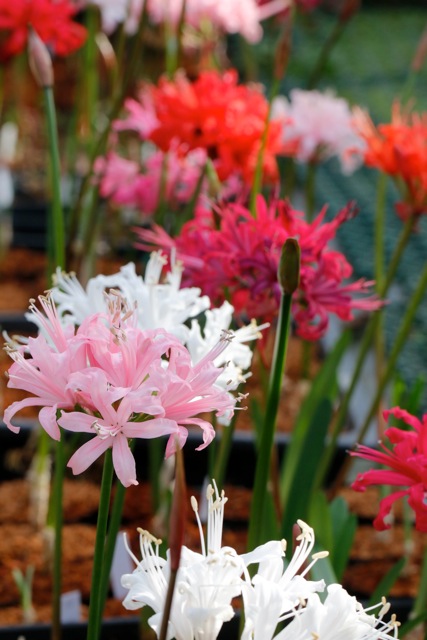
(40, 60)
(289, 266)
(283, 49)
(349, 8)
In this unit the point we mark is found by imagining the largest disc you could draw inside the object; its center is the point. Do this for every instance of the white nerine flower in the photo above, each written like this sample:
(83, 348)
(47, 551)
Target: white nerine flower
(279, 592)
(161, 304)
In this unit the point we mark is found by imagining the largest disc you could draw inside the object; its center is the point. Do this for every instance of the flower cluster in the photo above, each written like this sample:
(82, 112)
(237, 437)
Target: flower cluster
(406, 460)
(399, 149)
(280, 591)
(51, 19)
(114, 381)
(213, 113)
(307, 132)
(204, 16)
(241, 258)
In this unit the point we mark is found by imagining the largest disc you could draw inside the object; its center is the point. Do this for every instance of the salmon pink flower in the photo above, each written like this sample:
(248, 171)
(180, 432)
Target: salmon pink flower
(51, 19)
(406, 460)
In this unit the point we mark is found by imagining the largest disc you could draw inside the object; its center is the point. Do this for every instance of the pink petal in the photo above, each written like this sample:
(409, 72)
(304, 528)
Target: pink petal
(88, 453)
(77, 421)
(123, 460)
(47, 417)
(17, 406)
(150, 428)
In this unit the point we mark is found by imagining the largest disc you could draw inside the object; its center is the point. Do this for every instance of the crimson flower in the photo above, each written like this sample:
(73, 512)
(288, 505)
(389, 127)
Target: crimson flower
(407, 468)
(240, 258)
(214, 113)
(51, 19)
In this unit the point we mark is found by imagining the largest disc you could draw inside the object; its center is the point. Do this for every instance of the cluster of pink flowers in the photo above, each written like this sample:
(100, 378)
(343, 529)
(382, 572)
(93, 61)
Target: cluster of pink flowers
(114, 381)
(406, 460)
(239, 260)
(166, 177)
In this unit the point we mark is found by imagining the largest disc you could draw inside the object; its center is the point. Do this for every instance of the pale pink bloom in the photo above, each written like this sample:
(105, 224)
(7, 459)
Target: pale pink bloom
(230, 16)
(186, 390)
(115, 425)
(43, 368)
(141, 116)
(318, 126)
(117, 178)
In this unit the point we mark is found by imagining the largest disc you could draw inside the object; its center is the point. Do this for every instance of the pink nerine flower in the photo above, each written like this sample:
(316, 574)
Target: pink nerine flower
(242, 255)
(407, 467)
(318, 126)
(43, 368)
(168, 176)
(117, 382)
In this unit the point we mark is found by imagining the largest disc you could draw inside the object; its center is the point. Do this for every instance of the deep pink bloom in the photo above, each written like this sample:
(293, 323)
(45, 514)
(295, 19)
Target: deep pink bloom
(407, 468)
(239, 257)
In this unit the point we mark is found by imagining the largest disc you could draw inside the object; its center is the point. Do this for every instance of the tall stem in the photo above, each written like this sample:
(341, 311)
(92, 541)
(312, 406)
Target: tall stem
(57, 257)
(57, 517)
(96, 592)
(365, 344)
(389, 370)
(267, 435)
(257, 182)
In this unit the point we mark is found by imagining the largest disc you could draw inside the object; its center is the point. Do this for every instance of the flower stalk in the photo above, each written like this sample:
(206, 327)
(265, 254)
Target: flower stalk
(97, 588)
(288, 276)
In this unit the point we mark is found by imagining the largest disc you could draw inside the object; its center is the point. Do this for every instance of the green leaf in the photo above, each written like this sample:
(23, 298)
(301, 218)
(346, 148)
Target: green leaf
(301, 489)
(344, 526)
(322, 387)
(384, 587)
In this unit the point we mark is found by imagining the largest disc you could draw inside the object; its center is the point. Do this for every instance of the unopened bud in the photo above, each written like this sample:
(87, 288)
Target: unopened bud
(289, 266)
(214, 183)
(40, 60)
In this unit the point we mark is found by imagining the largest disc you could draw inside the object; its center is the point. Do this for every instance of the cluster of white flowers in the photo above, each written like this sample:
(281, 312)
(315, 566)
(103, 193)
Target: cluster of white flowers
(278, 594)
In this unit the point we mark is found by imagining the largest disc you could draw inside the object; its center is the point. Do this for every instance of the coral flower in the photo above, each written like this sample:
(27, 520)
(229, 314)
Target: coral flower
(51, 19)
(214, 113)
(400, 150)
(407, 467)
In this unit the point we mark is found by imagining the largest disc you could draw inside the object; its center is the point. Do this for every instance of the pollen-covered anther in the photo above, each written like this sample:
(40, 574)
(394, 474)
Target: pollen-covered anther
(194, 504)
(319, 555)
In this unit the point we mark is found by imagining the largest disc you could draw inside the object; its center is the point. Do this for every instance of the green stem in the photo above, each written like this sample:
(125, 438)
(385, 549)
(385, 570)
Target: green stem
(325, 52)
(91, 72)
(96, 591)
(257, 182)
(267, 436)
(110, 545)
(57, 216)
(57, 518)
(365, 344)
(223, 453)
(379, 228)
(399, 342)
(98, 148)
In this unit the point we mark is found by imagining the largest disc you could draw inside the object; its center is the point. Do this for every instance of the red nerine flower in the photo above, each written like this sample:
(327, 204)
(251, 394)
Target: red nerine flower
(51, 19)
(214, 113)
(400, 150)
(240, 259)
(407, 468)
